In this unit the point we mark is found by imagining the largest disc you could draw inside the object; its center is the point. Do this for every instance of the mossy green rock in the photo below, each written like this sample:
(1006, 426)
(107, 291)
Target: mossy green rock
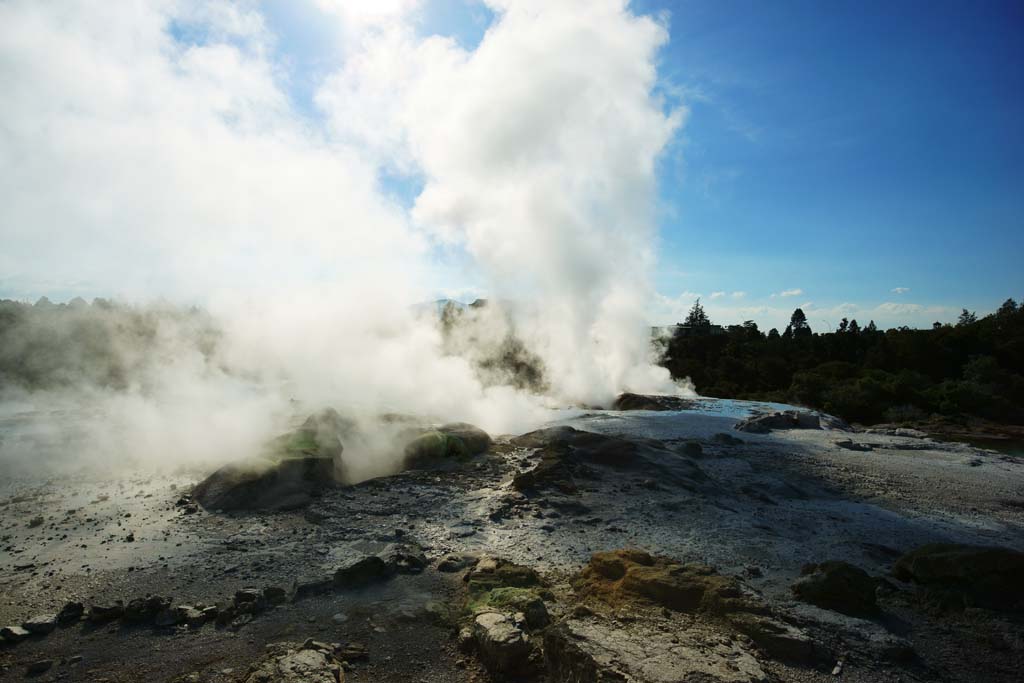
(451, 442)
(290, 471)
(509, 598)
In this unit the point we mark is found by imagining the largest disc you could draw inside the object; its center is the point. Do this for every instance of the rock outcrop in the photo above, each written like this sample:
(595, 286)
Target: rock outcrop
(446, 444)
(600, 651)
(787, 419)
(621, 576)
(566, 453)
(967, 575)
(629, 401)
(837, 586)
(293, 469)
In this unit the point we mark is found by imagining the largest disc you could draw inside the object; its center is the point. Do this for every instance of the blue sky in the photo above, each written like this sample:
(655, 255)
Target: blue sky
(847, 149)
(857, 159)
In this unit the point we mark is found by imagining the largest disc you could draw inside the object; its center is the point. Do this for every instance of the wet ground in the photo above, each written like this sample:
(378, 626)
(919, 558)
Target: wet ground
(770, 503)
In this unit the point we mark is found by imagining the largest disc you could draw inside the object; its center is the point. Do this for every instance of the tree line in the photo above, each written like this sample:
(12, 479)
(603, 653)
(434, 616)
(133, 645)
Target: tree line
(973, 368)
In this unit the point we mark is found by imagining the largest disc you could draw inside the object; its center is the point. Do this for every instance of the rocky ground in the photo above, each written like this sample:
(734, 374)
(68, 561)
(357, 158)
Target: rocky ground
(661, 545)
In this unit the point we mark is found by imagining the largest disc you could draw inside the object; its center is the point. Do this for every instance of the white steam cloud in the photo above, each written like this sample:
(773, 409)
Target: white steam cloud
(151, 149)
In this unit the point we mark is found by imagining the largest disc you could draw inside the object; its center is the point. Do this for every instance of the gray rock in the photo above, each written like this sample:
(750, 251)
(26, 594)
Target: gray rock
(13, 634)
(275, 595)
(778, 639)
(837, 586)
(41, 624)
(187, 614)
(101, 613)
(501, 645)
(851, 445)
(598, 651)
(71, 612)
(145, 609)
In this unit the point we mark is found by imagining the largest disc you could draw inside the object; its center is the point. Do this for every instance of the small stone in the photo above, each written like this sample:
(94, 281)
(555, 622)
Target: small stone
(39, 667)
(360, 571)
(41, 624)
(275, 595)
(71, 612)
(13, 634)
(101, 613)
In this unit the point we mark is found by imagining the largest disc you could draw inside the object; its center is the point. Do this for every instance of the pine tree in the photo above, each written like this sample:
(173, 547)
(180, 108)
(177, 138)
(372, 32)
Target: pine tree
(697, 318)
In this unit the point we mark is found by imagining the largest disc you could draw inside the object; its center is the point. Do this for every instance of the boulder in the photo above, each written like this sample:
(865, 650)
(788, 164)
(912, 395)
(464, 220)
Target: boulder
(71, 612)
(475, 440)
(778, 639)
(838, 586)
(456, 441)
(292, 469)
(101, 613)
(12, 634)
(275, 595)
(260, 484)
(502, 646)
(41, 624)
(978, 576)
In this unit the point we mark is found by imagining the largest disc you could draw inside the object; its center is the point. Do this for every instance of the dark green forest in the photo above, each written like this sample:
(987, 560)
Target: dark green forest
(973, 368)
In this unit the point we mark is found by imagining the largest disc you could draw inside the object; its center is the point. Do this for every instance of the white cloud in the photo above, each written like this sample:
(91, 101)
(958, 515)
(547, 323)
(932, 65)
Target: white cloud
(717, 295)
(141, 166)
(738, 295)
(900, 290)
(791, 292)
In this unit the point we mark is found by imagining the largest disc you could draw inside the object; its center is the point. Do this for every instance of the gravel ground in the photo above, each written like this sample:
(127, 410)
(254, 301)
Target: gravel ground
(769, 505)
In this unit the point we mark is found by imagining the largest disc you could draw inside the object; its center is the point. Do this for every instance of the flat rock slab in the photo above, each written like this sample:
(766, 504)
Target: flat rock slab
(297, 666)
(603, 651)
